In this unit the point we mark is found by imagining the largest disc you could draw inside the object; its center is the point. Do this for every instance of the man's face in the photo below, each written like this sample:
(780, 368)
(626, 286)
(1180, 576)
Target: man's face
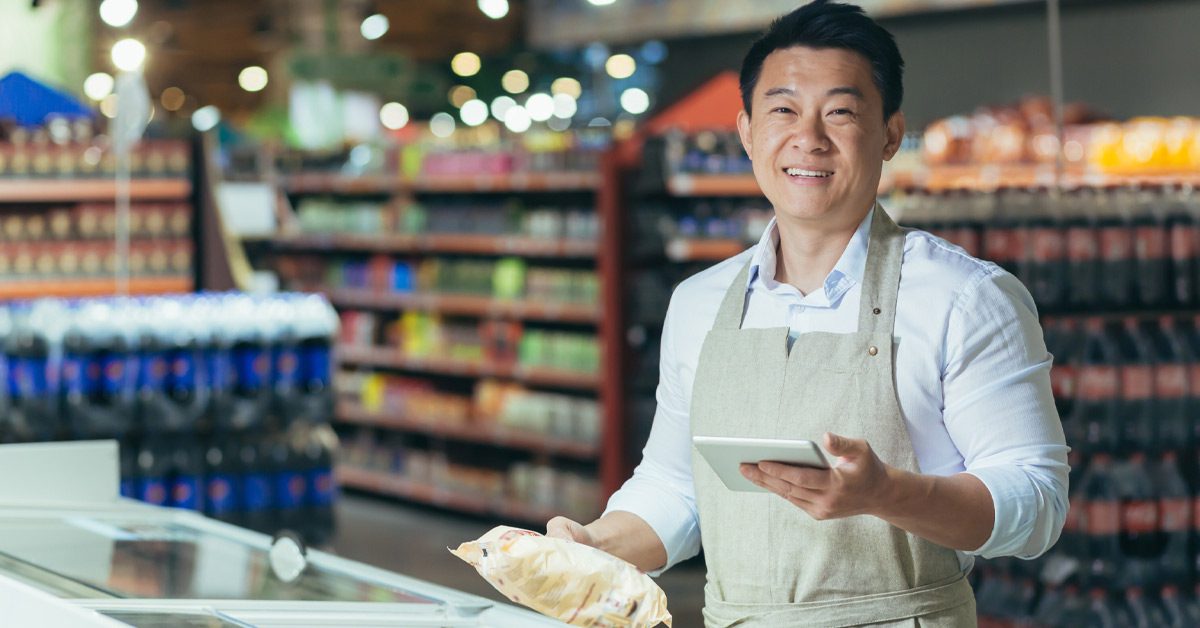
(816, 135)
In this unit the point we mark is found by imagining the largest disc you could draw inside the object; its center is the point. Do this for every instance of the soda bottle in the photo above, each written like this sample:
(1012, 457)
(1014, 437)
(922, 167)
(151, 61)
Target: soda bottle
(1048, 249)
(316, 327)
(1000, 243)
(1182, 242)
(285, 359)
(187, 474)
(97, 374)
(251, 400)
(1173, 428)
(1103, 522)
(1073, 540)
(1175, 519)
(1098, 409)
(288, 482)
(186, 398)
(1137, 385)
(221, 482)
(1140, 543)
(1051, 607)
(254, 485)
(1151, 254)
(319, 445)
(1083, 251)
(34, 351)
(1117, 268)
(1140, 611)
(153, 466)
(1062, 340)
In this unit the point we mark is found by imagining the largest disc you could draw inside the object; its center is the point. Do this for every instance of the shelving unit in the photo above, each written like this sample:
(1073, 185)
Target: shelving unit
(351, 412)
(58, 232)
(385, 357)
(595, 187)
(457, 244)
(464, 305)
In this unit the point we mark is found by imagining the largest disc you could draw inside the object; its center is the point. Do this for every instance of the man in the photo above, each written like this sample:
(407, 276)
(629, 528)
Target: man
(920, 369)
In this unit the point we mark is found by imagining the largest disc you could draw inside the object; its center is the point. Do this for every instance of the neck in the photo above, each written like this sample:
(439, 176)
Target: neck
(807, 252)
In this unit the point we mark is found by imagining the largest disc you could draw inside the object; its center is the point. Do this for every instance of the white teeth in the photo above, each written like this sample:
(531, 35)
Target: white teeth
(797, 172)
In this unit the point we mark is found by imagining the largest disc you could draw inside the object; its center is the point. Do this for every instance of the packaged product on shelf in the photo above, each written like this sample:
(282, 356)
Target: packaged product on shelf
(578, 584)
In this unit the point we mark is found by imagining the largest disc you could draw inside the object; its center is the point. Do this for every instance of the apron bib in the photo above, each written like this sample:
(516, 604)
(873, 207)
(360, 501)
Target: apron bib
(769, 563)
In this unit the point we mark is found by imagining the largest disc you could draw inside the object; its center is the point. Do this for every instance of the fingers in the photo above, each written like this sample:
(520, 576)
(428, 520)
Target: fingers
(813, 479)
(776, 484)
(563, 528)
(844, 447)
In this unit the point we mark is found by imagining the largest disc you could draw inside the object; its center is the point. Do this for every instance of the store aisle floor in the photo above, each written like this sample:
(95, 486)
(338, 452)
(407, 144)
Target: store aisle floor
(412, 540)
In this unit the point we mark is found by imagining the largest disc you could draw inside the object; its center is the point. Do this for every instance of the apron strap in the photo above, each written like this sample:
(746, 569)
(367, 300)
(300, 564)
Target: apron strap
(733, 306)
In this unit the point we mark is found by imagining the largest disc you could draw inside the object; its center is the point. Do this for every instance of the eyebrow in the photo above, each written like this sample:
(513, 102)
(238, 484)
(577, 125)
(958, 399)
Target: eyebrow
(848, 90)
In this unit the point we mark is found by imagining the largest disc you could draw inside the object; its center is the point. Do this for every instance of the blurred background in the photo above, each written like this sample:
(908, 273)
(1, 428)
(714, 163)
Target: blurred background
(389, 272)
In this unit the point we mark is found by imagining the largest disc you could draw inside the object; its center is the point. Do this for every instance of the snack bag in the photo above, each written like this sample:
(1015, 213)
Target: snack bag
(578, 584)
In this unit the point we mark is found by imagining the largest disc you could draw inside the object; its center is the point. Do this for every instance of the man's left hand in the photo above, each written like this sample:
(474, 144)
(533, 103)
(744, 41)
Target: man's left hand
(856, 484)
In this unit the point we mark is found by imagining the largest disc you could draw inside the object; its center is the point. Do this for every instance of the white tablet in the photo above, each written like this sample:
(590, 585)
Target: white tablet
(725, 454)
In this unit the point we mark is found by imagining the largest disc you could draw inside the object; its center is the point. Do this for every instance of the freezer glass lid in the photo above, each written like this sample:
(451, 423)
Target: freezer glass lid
(132, 558)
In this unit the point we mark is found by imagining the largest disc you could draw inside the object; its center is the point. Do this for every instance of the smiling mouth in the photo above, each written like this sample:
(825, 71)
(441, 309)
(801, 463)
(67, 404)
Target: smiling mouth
(808, 174)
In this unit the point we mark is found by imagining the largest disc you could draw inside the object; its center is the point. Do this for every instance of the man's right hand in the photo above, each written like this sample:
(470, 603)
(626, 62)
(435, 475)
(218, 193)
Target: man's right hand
(564, 528)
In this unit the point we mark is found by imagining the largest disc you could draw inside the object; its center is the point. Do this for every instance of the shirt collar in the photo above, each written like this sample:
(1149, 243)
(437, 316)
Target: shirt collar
(847, 272)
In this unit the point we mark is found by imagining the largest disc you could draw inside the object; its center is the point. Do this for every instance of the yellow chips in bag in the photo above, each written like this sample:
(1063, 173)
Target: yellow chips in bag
(578, 584)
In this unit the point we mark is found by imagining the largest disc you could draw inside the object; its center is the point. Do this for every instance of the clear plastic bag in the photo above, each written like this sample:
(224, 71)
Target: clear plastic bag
(578, 584)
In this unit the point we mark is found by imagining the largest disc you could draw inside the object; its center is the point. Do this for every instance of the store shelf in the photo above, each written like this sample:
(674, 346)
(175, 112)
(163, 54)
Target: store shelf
(388, 357)
(399, 486)
(355, 413)
(464, 305)
(464, 244)
(703, 250)
(91, 287)
(514, 182)
(332, 183)
(713, 185)
(73, 190)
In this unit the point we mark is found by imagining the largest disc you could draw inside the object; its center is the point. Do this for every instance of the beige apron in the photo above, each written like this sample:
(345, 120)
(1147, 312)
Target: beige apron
(769, 563)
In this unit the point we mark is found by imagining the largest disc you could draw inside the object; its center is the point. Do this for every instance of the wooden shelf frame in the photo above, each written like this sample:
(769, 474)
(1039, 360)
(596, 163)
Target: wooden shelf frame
(388, 357)
(465, 305)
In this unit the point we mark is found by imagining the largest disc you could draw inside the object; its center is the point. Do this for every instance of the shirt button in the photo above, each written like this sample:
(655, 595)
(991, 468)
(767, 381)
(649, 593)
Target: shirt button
(873, 351)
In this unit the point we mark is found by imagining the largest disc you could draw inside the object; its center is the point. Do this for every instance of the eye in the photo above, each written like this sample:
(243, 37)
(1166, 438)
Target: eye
(841, 112)
(781, 110)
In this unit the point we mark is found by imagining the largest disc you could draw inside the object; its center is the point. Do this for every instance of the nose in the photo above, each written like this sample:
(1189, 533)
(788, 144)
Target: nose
(808, 135)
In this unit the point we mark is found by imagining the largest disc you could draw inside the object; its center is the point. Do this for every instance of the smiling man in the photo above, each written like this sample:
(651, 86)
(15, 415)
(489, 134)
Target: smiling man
(920, 369)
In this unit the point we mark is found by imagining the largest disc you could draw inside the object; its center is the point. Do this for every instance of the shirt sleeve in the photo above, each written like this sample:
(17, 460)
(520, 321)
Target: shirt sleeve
(661, 490)
(1000, 412)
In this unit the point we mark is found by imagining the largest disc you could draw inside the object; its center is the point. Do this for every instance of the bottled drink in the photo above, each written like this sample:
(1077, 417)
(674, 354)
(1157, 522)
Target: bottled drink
(1083, 252)
(319, 445)
(1137, 385)
(254, 485)
(1173, 429)
(1048, 268)
(1097, 408)
(1174, 609)
(285, 360)
(221, 482)
(1175, 514)
(1103, 522)
(153, 465)
(251, 400)
(186, 389)
(316, 326)
(97, 374)
(288, 482)
(187, 474)
(128, 455)
(1151, 253)
(1117, 268)
(1140, 543)
(34, 351)
(1182, 242)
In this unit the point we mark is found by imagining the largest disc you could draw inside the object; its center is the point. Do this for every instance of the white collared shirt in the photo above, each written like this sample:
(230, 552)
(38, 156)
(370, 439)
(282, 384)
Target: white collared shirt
(972, 376)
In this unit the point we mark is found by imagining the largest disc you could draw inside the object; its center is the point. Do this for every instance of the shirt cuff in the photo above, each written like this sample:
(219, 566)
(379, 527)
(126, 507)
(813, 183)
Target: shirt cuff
(1015, 504)
(672, 519)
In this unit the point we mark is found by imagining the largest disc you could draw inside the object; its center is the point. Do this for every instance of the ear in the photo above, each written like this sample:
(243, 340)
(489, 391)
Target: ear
(895, 134)
(743, 125)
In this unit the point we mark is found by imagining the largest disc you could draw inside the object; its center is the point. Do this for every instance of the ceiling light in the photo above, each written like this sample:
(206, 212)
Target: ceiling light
(620, 66)
(564, 106)
(374, 27)
(635, 100)
(517, 119)
(118, 13)
(128, 55)
(540, 107)
(205, 118)
(566, 85)
(253, 78)
(494, 9)
(172, 98)
(98, 85)
(474, 112)
(393, 115)
(466, 64)
(442, 124)
(501, 105)
(515, 81)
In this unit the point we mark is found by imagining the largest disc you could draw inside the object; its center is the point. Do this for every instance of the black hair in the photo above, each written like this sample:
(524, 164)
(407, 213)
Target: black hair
(825, 24)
